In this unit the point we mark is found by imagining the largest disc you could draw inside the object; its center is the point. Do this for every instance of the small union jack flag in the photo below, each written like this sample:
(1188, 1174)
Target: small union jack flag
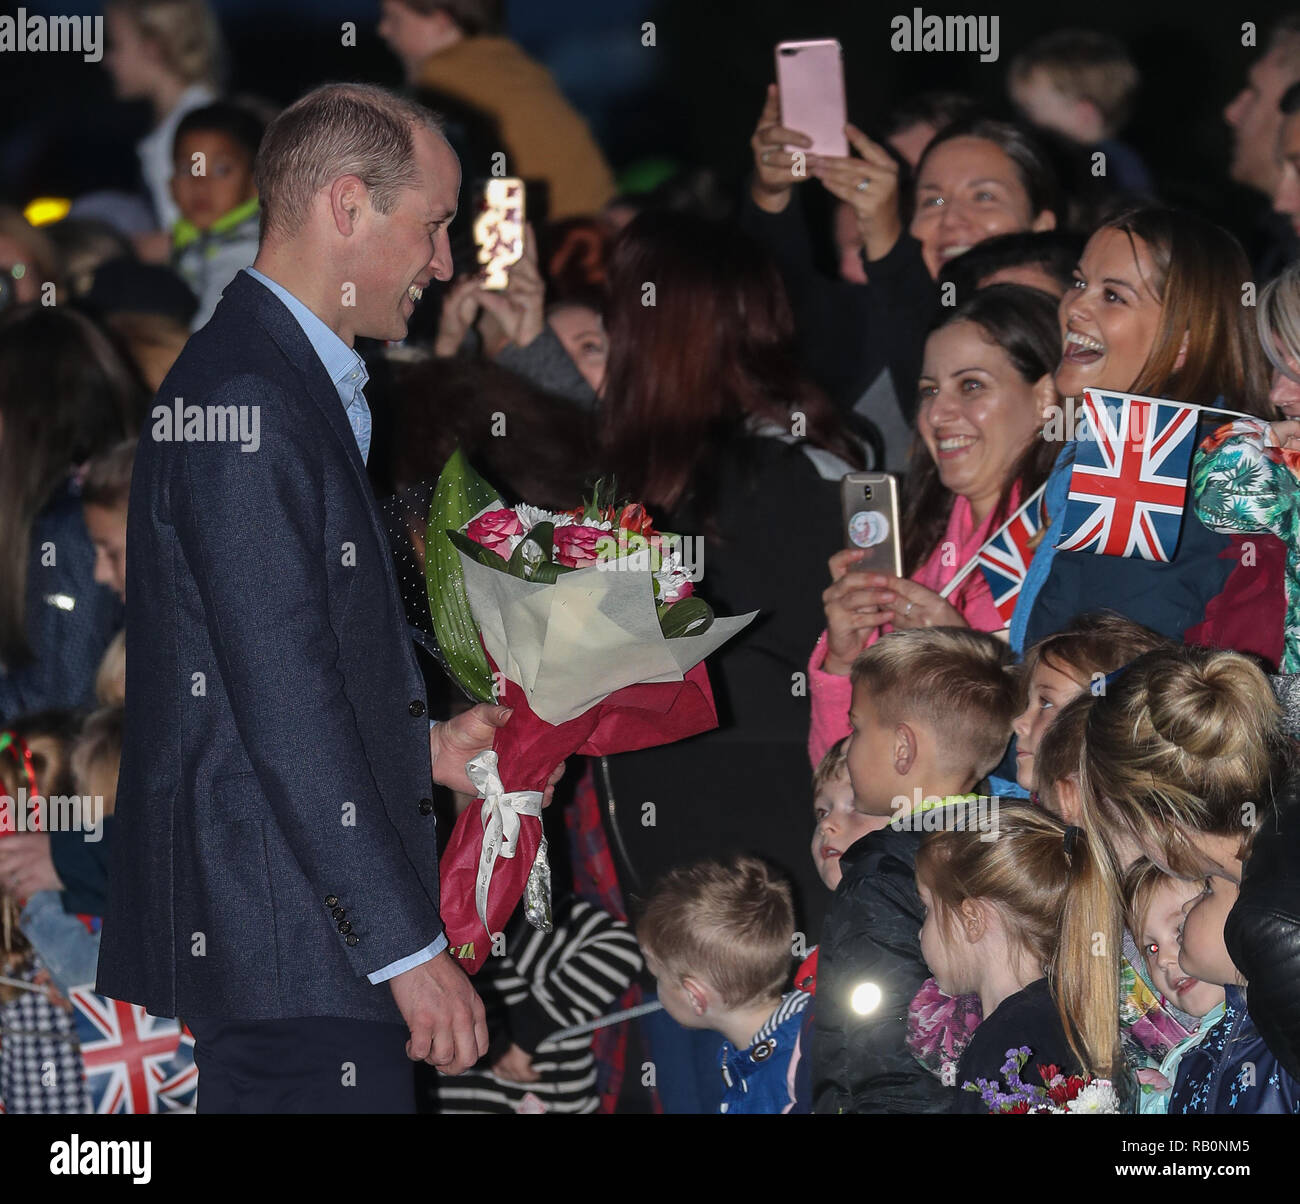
(1004, 560)
(1129, 486)
(135, 1062)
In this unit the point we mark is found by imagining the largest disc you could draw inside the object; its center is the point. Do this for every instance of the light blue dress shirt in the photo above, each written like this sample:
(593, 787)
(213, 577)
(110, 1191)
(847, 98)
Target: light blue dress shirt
(348, 373)
(346, 368)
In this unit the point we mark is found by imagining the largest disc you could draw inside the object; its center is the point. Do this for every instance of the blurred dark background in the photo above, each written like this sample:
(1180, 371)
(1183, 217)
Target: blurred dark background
(691, 99)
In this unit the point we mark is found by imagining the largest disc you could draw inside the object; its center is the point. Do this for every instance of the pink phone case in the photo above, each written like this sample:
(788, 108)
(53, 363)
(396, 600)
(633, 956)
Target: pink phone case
(810, 80)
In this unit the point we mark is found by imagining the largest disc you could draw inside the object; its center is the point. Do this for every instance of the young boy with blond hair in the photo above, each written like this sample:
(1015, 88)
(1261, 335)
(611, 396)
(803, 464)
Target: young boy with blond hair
(718, 938)
(931, 716)
(1081, 85)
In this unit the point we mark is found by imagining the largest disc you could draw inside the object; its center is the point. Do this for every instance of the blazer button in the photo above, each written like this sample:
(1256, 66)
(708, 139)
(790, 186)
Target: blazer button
(345, 926)
(416, 708)
(426, 806)
(331, 900)
(338, 913)
(352, 939)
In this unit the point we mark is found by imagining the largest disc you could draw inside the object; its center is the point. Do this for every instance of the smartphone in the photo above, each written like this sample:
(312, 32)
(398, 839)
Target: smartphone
(499, 229)
(871, 521)
(810, 81)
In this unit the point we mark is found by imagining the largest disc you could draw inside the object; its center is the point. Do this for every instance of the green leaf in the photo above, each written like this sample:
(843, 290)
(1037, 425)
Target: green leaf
(459, 495)
(690, 616)
(476, 551)
(532, 552)
(549, 571)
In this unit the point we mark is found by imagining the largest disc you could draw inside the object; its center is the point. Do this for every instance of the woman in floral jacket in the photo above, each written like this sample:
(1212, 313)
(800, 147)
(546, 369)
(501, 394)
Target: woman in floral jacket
(1246, 477)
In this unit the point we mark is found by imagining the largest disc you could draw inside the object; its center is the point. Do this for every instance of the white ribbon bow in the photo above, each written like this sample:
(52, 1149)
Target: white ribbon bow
(500, 814)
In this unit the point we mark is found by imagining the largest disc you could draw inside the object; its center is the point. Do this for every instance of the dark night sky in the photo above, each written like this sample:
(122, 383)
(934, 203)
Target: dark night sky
(694, 96)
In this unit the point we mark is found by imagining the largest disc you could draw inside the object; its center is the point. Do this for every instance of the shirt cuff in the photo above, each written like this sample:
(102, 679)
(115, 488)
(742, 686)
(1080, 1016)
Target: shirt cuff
(427, 954)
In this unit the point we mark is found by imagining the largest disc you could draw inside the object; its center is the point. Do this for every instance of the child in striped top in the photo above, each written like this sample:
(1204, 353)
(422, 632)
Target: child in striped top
(540, 984)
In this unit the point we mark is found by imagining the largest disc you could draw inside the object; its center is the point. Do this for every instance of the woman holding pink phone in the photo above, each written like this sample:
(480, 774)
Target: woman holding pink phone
(977, 178)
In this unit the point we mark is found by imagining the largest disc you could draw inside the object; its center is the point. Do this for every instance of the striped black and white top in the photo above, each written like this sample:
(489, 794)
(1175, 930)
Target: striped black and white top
(544, 983)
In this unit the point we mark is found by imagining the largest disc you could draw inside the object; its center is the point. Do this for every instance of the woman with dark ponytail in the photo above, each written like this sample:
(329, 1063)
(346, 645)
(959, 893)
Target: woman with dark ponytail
(1025, 921)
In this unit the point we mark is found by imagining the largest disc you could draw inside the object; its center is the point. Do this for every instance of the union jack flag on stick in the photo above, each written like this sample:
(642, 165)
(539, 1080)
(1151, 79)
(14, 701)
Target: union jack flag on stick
(1005, 556)
(1129, 486)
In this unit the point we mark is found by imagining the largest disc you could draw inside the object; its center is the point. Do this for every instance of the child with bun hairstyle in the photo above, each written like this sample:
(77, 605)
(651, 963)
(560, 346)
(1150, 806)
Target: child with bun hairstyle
(1017, 920)
(1184, 754)
(1185, 757)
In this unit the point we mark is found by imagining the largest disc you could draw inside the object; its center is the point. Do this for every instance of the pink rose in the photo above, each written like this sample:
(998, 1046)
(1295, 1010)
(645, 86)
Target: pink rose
(494, 530)
(575, 546)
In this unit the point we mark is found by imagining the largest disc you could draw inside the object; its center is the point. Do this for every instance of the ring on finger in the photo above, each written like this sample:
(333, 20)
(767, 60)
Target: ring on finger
(862, 185)
(763, 158)
(908, 611)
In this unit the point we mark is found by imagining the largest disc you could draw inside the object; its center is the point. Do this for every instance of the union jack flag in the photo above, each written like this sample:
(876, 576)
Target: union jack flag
(1129, 486)
(1005, 559)
(134, 1062)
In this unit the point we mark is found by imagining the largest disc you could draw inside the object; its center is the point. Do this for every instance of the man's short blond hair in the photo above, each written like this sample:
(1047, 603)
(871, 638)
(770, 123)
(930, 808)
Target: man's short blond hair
(337, 130)
(730, 923)
(958, 683)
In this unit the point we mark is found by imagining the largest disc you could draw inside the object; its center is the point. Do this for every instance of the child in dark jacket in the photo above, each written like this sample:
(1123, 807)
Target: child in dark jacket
(932, 712)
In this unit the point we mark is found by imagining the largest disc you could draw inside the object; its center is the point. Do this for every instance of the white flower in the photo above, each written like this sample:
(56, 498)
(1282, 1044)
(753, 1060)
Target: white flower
(671, 574)
(530, 516)
(1097, 1097)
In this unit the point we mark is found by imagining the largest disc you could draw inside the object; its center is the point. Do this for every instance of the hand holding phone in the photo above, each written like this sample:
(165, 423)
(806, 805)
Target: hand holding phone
(870, 503)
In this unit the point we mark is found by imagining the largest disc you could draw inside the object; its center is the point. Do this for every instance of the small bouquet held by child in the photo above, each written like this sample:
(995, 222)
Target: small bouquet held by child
(585, 623)
(1059, 1094)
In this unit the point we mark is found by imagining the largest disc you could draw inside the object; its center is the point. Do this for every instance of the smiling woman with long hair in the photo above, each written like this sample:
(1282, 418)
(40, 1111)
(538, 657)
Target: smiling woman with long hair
(1157, 311)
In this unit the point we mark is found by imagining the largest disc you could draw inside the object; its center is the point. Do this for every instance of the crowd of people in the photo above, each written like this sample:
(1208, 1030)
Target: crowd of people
(1049, 837)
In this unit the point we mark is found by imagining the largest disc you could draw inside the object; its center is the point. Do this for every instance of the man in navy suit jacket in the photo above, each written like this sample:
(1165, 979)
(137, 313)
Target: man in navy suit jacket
(274, 880)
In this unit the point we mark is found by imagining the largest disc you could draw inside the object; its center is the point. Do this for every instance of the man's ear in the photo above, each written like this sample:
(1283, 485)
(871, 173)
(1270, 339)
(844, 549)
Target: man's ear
(1044, 221)
(347, 194)
(1182, 351)
(905, 749)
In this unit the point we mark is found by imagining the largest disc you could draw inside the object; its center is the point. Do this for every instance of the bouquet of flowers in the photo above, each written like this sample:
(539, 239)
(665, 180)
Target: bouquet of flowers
(587, 625)
(1059, 1094)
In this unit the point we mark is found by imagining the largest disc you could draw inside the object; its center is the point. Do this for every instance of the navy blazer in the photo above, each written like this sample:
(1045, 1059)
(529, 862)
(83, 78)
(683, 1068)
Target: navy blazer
(275, 836)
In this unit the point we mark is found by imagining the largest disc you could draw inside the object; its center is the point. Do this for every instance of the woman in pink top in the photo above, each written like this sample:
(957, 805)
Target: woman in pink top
(985, 391)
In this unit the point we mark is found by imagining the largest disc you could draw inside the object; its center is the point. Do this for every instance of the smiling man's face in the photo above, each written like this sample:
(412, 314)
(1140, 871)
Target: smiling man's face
(407, 249)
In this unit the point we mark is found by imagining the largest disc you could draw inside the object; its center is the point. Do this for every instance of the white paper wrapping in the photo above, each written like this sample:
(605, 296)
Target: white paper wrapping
(570, 644)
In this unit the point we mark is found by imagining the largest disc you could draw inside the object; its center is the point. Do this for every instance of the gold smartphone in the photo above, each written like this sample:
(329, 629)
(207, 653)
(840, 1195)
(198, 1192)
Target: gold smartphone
(871, 521)
(499, 229)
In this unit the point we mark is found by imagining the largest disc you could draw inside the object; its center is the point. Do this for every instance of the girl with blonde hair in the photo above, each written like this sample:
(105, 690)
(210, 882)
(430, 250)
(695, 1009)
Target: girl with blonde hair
(1018, 921)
